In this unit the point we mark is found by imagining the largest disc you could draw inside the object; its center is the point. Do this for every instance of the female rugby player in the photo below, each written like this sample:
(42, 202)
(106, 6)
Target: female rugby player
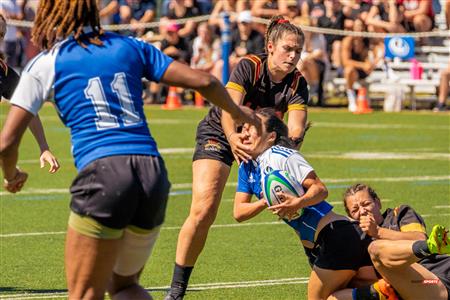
(265, 80)
(119, 195)
(335, 246)
(8, 82)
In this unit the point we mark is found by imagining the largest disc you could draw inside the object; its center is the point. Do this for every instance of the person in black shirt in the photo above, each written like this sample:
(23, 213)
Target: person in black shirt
(267, 80)
(8, 82)
(400, 252)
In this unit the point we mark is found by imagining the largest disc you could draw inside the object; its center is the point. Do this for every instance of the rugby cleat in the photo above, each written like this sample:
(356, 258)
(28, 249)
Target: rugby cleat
(385, 290)
(439, 240)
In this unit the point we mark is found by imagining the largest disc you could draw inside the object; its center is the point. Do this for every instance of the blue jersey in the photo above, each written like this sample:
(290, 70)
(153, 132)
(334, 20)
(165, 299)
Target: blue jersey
(97, 92)
(250, 178)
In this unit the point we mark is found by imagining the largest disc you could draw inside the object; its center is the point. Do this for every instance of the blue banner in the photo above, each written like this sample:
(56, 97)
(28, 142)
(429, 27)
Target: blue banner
(399, 46)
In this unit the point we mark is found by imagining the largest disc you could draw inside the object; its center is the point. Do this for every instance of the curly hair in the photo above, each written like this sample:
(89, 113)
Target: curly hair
(57, 19)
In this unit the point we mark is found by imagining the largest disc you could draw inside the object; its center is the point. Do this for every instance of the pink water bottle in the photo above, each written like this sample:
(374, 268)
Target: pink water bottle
(416, 69)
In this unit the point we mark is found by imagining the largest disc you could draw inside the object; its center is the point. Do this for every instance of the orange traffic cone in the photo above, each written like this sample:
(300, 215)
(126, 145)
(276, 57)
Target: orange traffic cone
(173, 100)
(198, 99)
(362, 103)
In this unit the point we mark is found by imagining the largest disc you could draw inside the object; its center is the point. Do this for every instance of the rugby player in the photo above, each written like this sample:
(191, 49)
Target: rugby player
(120, 193)
(263, 80)
(8, 82)
(335, 246)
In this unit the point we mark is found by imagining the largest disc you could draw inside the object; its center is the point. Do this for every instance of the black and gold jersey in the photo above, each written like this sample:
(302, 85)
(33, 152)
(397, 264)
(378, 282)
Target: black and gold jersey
(252, 78)
(403, 218)
(8, 80)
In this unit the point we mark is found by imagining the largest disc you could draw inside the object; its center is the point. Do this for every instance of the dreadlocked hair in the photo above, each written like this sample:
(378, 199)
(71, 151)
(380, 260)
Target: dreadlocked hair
(57, 19)
(357, 188)
(278, 27)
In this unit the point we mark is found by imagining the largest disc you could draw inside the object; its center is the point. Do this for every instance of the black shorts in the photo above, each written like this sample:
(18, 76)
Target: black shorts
(361, 74)
(123, 190)
(212, 144)
(439, 265)
(341, 245)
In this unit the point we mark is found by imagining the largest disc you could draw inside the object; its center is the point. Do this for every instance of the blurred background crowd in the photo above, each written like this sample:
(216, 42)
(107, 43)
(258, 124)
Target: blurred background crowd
(196, 41)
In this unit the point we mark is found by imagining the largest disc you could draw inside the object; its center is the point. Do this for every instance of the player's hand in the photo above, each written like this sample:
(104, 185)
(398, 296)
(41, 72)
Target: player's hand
(248, 115)
(289, 207)
(238, 148)
(15, 185)
(48, 157)
(369, 225)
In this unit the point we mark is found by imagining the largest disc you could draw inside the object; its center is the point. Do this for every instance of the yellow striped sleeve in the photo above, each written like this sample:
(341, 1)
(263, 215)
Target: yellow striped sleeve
(413, 227)
(235, 86)
(296, 107)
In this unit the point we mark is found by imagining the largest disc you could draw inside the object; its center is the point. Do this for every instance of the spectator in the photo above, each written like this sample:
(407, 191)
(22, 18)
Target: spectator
(334, 18)
(205, 49)
(134, 12)
(293, 9)
(180, 9)
(355, 9)
(246, 40)
(173, 45)
(443, 90)
(419, 15)
(228, 6)
(355, 59)
(313, 9)
(447, 14)
(314, 63)
(384, 16)
(11, 44)
(109, 10)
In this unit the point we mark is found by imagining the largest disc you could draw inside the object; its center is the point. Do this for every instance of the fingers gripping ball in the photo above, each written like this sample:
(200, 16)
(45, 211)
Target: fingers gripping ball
(280, 181)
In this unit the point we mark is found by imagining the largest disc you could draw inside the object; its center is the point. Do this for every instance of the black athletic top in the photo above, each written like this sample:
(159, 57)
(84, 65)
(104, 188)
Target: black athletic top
(8, 80)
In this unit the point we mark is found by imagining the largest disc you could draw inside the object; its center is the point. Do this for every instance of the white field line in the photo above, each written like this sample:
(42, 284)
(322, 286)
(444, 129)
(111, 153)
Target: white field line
(315, 124)
(441, 206)
(192, 287)
(330, 155)
(177, 186)
(8, 235)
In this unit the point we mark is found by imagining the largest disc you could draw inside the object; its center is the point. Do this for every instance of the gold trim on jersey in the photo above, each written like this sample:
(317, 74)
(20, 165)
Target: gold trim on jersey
(296, 107)
(413, 227)
(257, 61)
(236, 87)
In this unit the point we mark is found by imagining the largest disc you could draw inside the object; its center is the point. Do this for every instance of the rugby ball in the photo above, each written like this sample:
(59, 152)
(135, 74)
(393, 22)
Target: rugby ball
(280, 181)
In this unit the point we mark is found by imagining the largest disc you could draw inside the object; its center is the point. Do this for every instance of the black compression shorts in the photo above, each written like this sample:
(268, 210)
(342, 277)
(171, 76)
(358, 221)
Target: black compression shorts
(212, 144)
(341, 245)
(118, 191)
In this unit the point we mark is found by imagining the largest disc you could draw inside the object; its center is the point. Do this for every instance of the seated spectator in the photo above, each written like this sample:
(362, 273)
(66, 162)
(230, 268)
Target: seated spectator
(356, 62)
(108, 11)
(245, 40)
(268, 9)
(228, 6)
(313, 9)
(293, 9)
(419, 15)
(334, 18)
(385, 16)
(355, 9)
(134, 12)
(447, 14)
(205, 49)
(11, 44)
(443, 90)
(314, 63)
(180, 9)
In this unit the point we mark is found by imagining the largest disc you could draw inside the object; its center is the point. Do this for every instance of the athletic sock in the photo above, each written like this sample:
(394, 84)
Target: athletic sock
(180, 280)
(420, 249)
(351, 95)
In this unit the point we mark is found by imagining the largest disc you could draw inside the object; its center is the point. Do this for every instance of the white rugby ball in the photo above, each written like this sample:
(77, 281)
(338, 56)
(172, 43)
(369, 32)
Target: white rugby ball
(280, 181)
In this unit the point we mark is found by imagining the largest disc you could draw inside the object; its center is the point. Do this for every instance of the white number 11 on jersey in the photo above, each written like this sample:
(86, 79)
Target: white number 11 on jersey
(105, 119)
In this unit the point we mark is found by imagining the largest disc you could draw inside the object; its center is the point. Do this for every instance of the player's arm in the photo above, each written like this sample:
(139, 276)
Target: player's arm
(179, 74)
(296, 125)
(15, 125)
(244, 209)
(46, 155)
(315, 192)
(388, 234)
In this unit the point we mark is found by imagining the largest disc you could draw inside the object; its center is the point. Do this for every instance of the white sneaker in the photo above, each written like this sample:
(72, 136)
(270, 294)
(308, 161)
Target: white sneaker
(352, 107)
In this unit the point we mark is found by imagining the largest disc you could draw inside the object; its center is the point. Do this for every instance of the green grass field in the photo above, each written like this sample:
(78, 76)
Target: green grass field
(404, 156)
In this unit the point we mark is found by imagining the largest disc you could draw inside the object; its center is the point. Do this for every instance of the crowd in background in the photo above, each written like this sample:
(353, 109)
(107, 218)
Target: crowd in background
(198, 43)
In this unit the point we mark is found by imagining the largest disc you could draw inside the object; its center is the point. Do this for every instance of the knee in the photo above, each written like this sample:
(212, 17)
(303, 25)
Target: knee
(204, 215)
(374, 250)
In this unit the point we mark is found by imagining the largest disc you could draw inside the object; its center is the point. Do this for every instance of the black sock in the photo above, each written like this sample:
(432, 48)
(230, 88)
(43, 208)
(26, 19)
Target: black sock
(420, 249)
(180, 279)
